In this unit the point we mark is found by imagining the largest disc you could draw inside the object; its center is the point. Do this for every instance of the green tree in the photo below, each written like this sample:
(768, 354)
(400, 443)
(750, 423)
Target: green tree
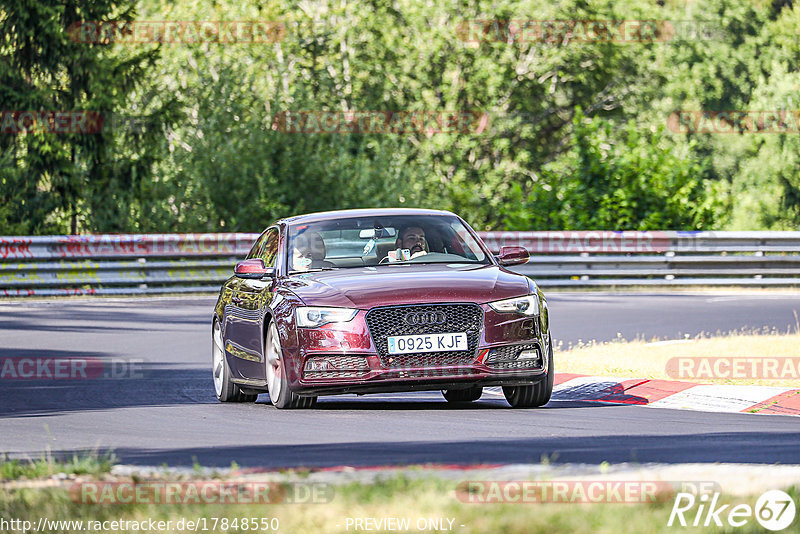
(630, 179)
(63, 182)
(209, 158)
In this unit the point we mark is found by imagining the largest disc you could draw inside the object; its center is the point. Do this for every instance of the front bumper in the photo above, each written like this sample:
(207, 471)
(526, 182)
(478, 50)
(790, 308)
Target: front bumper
(494, 366)
(508, 350)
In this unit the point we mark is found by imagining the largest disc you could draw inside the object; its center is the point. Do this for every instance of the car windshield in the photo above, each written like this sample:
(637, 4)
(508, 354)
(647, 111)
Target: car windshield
(381, 240)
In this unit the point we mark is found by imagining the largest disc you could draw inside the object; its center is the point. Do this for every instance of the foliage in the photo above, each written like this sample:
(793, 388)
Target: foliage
(576, 134)
(631, 178)
(91, 463)
(58, 182)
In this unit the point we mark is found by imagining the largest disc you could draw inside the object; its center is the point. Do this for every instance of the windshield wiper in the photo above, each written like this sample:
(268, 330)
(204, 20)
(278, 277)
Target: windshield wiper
(315, 270)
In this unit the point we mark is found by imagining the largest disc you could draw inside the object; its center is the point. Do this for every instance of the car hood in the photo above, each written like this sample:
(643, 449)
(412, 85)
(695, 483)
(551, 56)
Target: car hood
(384, 285)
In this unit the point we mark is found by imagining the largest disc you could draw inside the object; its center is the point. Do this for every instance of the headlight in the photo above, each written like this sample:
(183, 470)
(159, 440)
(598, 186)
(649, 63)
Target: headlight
(527, 305)
(308, 317)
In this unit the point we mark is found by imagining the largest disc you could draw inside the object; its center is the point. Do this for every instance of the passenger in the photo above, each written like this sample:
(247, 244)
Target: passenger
(309, 252)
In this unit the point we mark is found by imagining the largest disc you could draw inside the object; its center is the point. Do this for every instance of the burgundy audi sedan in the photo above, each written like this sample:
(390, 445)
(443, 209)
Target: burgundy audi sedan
(379, 300)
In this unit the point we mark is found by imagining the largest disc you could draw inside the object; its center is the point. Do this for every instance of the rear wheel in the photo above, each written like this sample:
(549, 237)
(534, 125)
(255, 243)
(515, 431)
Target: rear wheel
(224, 389)
(462, 395)
(534, 395)
(277, 383)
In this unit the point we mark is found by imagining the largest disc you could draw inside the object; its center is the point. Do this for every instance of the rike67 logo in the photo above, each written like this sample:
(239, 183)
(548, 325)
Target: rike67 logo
(774, 510)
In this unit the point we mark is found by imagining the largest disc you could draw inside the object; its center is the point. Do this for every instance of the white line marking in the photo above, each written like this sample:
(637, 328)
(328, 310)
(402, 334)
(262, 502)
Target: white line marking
(706, 398)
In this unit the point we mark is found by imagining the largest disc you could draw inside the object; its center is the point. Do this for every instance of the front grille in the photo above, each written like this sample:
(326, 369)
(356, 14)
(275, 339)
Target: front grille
(345, 367)
(390, 321)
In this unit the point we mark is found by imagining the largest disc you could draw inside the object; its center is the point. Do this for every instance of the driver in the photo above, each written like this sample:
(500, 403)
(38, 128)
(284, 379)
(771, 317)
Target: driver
(411, 239)
(308, 252)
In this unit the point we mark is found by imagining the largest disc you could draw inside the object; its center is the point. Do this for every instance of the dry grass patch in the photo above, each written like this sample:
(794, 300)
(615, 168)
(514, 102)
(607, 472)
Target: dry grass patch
(649, 359)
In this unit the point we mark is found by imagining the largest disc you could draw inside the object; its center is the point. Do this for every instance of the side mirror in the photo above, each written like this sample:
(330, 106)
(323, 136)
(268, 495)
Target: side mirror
(253, 269)
(513, 256)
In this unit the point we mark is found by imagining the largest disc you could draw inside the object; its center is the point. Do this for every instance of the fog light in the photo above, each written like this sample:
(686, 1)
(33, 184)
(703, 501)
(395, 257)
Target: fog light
(528, 355)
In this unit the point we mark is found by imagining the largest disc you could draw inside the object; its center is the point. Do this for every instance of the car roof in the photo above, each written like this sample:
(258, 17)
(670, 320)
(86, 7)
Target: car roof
(371, 212)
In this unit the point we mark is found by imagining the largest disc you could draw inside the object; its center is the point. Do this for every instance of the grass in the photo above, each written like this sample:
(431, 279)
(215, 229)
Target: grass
(392, 497)
(649, 359)
(88, 464)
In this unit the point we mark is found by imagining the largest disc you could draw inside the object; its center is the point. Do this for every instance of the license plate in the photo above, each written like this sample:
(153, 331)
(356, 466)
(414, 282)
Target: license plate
(427, 343)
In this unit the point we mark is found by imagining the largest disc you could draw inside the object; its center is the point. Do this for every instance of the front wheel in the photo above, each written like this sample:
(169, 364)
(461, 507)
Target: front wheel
(534, 395)
(462, 395)
(278, 385)
(224, 389)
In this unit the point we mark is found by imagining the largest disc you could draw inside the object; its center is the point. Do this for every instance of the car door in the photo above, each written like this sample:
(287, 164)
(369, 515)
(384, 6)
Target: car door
(248, 300)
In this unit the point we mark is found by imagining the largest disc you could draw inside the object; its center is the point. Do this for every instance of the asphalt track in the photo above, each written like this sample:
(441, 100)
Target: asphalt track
(170, 415)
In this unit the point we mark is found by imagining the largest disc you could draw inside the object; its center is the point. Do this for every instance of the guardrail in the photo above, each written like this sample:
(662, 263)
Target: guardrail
(118, 264)
(176, 263)
(656, 258)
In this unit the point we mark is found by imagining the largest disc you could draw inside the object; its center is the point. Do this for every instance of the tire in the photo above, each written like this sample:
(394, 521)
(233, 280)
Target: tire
(535, 395)
(462, 395)
(224, 389)
(279, 393)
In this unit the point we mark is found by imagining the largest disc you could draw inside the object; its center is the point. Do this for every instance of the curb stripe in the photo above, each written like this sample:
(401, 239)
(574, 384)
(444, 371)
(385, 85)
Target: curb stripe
(677, 395)
(560, 378)
(646, 391)
(786, 403)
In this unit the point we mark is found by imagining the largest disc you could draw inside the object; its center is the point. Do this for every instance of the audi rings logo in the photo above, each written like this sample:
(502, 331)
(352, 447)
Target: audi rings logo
(419, 318)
